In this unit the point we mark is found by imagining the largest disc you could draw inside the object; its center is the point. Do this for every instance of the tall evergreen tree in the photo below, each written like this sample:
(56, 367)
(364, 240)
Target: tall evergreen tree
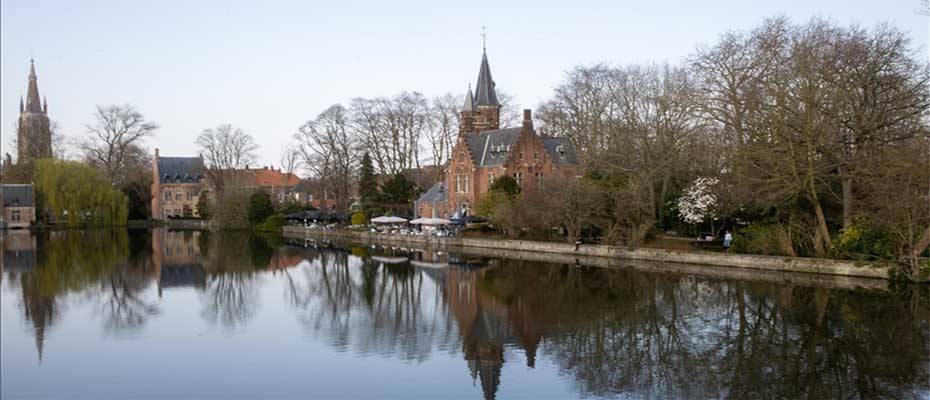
(367, 185)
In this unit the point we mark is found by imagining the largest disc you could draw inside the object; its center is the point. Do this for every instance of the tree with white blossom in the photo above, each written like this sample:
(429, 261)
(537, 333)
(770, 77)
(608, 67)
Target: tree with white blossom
(698, 202)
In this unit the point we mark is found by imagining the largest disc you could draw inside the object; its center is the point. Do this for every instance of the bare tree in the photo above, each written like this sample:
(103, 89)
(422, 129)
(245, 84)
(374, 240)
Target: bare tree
(440, 138)
(329, 151)
(290, 160)
(226, 149)
(115, 137)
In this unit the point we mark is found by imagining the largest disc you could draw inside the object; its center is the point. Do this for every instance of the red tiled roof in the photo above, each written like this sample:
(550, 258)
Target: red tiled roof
(271, 177)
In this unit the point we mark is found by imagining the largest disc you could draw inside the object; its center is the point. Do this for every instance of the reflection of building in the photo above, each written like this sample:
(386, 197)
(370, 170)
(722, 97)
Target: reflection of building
(177, 259)
(17, 206)
(484, 152)
(19, 251)
(177, 183)
(487, 325)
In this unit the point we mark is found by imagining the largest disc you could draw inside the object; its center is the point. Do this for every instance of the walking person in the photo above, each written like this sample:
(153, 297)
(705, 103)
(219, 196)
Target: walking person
(727, 240)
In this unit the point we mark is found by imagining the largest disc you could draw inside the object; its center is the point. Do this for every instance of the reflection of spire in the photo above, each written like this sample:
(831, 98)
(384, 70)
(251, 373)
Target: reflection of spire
(40, 310)
(40, 341)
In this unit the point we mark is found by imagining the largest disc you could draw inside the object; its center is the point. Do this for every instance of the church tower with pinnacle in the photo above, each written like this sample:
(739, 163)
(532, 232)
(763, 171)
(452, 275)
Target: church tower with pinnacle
(482, 110)
(33, 133)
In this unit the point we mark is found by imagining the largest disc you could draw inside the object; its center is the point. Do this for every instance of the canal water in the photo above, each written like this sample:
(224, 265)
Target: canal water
(189, 315)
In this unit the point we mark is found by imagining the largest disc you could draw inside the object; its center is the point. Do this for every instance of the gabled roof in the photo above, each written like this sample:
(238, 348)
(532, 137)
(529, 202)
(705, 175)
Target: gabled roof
(560, 150)
(17, 195)
(490, 148)
(435, 193)
(180, 169)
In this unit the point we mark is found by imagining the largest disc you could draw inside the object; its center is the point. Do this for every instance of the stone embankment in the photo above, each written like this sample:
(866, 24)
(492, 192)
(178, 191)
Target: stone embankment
(661, 259)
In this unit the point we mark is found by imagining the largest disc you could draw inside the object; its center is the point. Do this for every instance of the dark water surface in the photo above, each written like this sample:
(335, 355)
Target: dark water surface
(166, 314)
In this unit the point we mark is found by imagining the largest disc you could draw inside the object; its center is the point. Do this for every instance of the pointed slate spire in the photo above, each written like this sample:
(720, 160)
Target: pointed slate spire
(20, 104)
(44, 105)
(484, 92)
(469, 101)
(32, 93)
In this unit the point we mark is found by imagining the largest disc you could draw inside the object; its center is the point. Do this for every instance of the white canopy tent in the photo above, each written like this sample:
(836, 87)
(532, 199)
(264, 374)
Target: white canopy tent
(388, 220)
(431, 221)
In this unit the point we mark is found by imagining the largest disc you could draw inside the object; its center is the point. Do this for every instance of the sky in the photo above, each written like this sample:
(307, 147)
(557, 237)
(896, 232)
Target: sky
(267, 66)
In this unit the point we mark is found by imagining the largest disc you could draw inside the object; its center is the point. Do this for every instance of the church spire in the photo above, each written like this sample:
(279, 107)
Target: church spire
(485, 94)
(32, 93)
(469, 101)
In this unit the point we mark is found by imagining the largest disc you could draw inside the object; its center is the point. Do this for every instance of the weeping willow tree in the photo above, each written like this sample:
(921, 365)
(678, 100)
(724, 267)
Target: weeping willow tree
(76, 194)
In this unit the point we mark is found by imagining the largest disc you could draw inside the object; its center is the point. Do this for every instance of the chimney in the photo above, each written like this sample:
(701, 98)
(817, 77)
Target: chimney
(528, 119)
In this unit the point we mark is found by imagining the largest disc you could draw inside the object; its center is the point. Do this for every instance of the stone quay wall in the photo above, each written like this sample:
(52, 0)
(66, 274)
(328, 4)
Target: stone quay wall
(744, 261)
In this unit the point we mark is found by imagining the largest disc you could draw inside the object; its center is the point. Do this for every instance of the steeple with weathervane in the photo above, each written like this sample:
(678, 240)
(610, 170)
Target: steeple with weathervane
(482, 110)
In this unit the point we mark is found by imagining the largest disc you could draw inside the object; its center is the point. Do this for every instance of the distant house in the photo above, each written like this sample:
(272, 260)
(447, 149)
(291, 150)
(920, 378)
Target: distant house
(18, 208)
(177, 183)
(279, 185)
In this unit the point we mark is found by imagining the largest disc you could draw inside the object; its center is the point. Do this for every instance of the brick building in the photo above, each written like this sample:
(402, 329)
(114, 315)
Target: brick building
(177, 183)
(484, 152)
(280, 186)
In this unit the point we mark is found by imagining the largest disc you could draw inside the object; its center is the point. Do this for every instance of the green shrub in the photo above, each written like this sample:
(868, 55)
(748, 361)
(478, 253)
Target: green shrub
(260, 207)
(271, 224)
(864, 242)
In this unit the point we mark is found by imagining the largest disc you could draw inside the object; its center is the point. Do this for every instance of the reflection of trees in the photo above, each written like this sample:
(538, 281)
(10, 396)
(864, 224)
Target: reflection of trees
(230, 296)
(666, 336)
(371, 306)
(77, 262)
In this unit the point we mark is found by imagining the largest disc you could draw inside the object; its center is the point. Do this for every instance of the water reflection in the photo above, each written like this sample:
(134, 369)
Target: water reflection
(611, 332)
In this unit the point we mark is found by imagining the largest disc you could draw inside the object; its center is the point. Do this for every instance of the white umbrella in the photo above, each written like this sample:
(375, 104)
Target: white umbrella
(430, 265)
(390, 260)
(434, 221)
(388, 220)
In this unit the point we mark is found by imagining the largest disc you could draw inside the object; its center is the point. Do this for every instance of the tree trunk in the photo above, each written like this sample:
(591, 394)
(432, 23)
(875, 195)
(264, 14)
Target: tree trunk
(847, 197)
(922, 244)
(821, 219)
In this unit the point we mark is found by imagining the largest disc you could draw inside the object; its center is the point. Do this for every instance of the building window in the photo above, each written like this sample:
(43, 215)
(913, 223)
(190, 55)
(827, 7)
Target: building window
(490, 179)
(190, 196)
(177, 196)
(539, 182)
(15, 215)
(519, 178)
(461, 157)
(458, 183)
(467, 182)
(167, 196)
(535, 155)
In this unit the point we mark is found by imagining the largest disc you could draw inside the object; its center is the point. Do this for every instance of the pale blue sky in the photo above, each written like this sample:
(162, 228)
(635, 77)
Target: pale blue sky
(268, 66)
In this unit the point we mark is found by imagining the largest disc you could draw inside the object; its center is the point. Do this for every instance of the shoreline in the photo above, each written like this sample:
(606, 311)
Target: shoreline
(741, 266)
